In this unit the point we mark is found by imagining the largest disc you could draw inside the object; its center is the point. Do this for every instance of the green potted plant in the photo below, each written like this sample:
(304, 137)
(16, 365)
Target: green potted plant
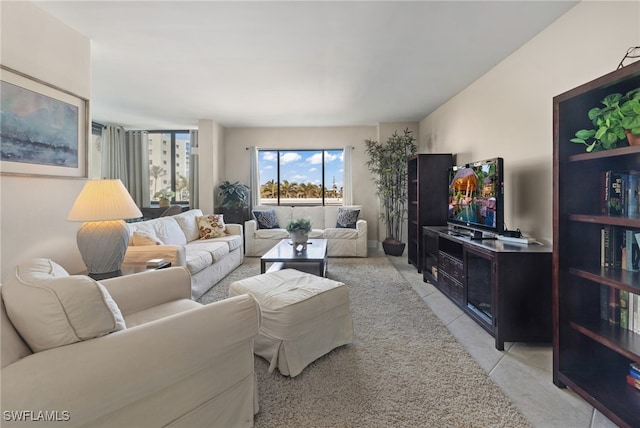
(164, 197)
(618, 120)
(235, 201)
(299, 229)
(388, 164)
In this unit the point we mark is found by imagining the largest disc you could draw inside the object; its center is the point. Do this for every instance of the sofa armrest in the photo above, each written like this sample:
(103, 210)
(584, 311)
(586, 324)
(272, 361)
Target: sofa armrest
(96, 378)
(234, 229)
(361, 227)
(141, 253)
(250, 227)
(143, 290)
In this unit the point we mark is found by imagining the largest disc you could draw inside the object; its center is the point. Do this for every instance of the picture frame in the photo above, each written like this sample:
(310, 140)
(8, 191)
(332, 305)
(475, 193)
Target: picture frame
(44, 129)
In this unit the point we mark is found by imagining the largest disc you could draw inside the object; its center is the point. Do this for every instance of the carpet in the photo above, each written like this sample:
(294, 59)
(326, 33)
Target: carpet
(404, 368)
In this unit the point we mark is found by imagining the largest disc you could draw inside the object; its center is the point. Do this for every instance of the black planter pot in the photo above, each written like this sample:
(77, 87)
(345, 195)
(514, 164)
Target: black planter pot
(393, 248)
(236, 215)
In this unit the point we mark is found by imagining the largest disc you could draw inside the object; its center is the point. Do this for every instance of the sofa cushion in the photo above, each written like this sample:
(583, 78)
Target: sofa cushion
(142, 237)
(347, 218)
(166, 229)
(266, 219)
(233, 241)
(340, 233)
(49, 308)
(188, 224)
(331, 214)
(211, 226)
(271, 234)
(217, 249)
(316, 233)
(198, 260)
(315, 214)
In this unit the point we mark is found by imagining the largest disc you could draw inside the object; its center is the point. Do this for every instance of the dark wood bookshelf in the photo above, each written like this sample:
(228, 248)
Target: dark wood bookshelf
(427, 192)
(590, 355)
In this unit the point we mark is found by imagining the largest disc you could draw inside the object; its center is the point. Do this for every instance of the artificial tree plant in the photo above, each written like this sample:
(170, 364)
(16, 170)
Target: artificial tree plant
(388, 164)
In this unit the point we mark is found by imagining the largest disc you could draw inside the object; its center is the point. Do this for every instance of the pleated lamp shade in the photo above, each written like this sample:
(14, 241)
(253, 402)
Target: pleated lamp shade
(103, 238)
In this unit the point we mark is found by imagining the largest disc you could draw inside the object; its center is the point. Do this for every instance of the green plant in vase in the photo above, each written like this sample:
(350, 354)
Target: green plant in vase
(299, 229)
(164, 197)
(617, 121)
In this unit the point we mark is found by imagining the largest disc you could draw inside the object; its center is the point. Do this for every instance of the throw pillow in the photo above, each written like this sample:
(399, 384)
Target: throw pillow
(211, 226)
(140, 237)
(49, 308)
(267, 219)
(347, 218)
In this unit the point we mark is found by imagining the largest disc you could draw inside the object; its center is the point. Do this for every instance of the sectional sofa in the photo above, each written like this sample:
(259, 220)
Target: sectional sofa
(344, 241)
(177, 239)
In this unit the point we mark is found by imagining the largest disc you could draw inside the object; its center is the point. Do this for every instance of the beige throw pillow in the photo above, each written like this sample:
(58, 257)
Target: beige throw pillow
(141, 237)
(211, 226)
(49, 308)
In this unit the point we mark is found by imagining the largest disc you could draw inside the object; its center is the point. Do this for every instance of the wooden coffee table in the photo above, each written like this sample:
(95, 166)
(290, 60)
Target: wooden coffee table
(284, 256)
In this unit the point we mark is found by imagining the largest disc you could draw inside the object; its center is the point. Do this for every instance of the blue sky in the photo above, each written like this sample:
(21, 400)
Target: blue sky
(302, 166)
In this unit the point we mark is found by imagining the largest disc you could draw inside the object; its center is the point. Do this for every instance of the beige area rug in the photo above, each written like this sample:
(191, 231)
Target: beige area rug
(404, 368)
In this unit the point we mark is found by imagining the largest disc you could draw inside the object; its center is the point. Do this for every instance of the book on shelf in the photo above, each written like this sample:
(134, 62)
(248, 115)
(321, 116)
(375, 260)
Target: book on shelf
(619, 248)
(622, 308)
(620, 193)
(613, 193)
(633, 382)
(614, 306)
(635, 367)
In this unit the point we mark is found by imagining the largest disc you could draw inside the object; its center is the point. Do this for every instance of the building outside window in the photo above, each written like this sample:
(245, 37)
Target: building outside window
(166, 171)
(301, 177)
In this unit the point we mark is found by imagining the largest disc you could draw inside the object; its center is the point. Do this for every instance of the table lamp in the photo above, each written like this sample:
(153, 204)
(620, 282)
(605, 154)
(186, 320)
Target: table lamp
(103, 238)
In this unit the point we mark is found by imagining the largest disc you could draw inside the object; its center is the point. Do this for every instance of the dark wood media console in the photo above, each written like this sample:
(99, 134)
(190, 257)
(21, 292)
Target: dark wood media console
(504, 287)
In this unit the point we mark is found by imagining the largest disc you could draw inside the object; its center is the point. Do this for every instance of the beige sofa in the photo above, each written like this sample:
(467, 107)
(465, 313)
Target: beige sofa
(68, 362)
(208, 260)
(340, 242)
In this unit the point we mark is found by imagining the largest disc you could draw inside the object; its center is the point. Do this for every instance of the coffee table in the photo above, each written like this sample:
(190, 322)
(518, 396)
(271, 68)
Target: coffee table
(284, 256)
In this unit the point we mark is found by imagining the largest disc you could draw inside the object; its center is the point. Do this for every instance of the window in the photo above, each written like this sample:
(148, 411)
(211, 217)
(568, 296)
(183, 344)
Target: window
(165, 173)
(301, 177)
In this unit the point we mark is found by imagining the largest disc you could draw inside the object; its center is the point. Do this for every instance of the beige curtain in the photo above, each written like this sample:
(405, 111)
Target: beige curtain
(125, 155)
(137, 149)
(194, 183)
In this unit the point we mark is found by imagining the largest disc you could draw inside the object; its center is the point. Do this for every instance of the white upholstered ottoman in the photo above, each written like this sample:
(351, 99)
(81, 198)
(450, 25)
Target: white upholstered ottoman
(303, 317)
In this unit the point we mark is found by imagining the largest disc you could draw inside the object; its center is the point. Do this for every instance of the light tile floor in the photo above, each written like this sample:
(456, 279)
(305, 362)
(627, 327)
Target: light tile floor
(523, 370)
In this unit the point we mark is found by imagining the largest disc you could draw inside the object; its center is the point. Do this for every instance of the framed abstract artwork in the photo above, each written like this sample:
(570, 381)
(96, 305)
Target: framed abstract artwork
(43, 129)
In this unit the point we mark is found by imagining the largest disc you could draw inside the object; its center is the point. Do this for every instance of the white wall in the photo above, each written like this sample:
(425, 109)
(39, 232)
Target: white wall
(211, 154)
(34, 209)
(508, 112)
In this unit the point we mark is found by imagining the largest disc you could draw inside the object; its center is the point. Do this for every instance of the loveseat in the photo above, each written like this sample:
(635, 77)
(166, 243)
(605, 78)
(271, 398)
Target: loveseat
(177, 239)
(350, 240)
(132, 351)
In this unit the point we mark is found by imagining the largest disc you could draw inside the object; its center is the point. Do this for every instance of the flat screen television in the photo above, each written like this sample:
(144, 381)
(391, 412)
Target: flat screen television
(476, 197)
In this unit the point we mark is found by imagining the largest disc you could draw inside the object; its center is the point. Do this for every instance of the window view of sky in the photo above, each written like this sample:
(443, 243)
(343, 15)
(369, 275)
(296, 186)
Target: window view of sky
(301, 173)
(302, 166)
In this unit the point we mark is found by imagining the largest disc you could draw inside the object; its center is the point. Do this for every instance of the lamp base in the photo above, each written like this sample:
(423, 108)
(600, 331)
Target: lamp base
(103, 244)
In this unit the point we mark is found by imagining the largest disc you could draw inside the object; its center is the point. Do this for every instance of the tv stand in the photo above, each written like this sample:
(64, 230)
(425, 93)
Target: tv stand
(505, 288)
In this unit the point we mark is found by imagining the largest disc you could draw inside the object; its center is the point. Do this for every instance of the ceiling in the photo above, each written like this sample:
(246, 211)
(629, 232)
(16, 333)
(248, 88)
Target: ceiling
(166, 64)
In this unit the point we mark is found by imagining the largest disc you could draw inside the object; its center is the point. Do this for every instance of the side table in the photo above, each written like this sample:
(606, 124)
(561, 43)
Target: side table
(127, 268)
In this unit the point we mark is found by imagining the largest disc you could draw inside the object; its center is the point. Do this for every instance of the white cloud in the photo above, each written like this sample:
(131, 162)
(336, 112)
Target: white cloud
(328, 157)
(315, 159)
(299, 178)
(268, 167)
(313, 169)
(269, 156)
(289, 157)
